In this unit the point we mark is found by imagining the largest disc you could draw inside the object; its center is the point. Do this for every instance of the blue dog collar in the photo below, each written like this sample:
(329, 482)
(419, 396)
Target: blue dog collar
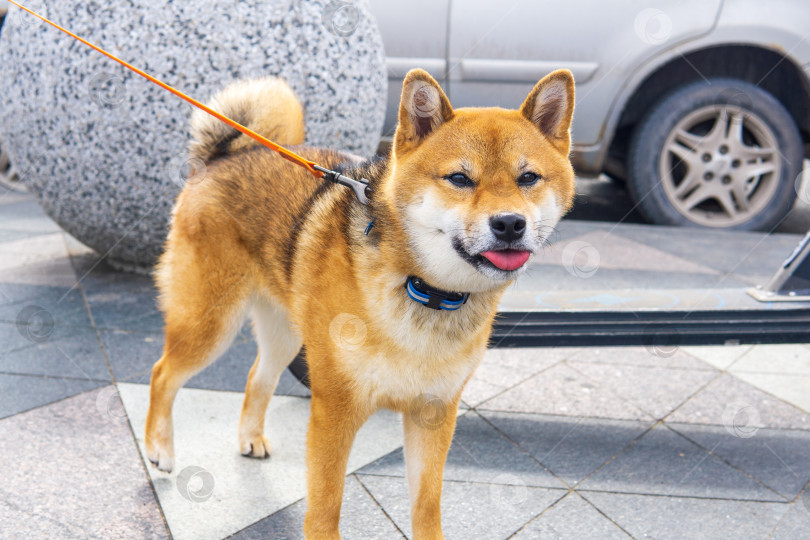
(438, 299)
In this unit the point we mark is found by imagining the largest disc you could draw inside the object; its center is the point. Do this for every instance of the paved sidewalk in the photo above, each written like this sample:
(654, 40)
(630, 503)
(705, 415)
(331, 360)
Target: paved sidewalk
(695, 442)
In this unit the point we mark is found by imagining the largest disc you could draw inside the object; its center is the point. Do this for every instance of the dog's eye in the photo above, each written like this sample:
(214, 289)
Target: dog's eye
(528, 179)
(460, 179)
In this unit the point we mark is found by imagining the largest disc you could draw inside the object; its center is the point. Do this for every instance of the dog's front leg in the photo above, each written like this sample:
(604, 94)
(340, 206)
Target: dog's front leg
(429, 427)
(333, 424)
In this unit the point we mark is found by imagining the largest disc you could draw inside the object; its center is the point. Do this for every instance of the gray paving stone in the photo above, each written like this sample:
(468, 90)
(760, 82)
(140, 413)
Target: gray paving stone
(126, 311)
(478, 454)
(673, 358)
(750, 256)
(662, 462)
(71, 470)
(572, 518)
(571, 448)
(680, 518)
(64, 305)
(719, 356)
(240, 491)
(77, 356)
(656, 391)
(360, 517)
(20, 393)
(564, 391)
(558, 278)
(796, 523)
(726, 395)
(43, 270)
(15, 337)
(620, 252)
(14, 235)
(17, 292)
(119, 300)
(790, 388)
(26, 215)
(503, 368)
(781, 359)
(779, 459)
(469, 510)
(132, 354)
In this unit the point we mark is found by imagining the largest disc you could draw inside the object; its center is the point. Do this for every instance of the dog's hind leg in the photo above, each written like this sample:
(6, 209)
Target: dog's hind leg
(204, 307)
(278, 345)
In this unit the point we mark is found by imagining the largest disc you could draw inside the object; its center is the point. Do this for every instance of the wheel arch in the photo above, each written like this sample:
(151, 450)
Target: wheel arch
(774, 72)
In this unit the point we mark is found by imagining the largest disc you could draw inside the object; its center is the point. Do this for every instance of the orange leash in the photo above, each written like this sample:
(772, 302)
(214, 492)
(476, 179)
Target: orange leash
(317, 172)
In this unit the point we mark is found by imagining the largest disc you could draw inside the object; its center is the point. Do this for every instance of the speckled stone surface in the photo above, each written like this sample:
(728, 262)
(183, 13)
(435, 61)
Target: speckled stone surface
(104, 150)
(71, 470)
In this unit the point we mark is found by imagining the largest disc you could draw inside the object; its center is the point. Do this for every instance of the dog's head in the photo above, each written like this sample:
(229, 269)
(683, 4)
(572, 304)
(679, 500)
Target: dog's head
(478, 191)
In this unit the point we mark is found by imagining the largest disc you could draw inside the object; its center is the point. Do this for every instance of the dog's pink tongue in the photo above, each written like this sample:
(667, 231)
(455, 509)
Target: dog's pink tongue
(508, 259)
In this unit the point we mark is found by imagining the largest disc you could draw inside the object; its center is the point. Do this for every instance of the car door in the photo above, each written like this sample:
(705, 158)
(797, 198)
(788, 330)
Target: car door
(414, 35)
(499, 50)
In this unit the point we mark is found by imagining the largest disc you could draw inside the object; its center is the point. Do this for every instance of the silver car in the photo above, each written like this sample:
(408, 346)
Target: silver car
(701, 106)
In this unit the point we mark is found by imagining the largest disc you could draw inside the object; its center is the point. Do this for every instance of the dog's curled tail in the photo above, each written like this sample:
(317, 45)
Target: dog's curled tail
(268, 106)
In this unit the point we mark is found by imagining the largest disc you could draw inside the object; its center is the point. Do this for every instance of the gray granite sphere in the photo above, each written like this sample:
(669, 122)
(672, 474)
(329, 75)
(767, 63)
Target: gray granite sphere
(105, 150)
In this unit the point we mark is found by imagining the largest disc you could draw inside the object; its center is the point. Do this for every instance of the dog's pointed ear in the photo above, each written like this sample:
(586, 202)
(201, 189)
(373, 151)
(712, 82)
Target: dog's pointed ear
(422, 108)
(550, 106)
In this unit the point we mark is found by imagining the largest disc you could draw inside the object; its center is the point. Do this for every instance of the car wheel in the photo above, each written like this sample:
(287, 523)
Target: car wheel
(721, 154)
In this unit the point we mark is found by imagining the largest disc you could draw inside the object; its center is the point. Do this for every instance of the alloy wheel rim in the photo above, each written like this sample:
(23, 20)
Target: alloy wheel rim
(720, 166)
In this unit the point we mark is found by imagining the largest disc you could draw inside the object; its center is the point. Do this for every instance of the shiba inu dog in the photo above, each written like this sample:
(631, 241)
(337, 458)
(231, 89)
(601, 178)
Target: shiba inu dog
(393, 301)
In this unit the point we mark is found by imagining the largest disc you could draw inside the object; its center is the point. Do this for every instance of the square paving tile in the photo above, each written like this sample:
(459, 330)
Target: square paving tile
(574, 518)
(725, 396)
(780, 459)
(214, 491)
(132, 354)
(794, 389)
(564, 391)
(20, 393)
(571, 448)
(14, 337)
(17, 292)
(62, 306)
(719, 356)
(503, 368)
(787, 359)
(56, 272)
(656, 391)
(663, 462)
(71, 470)
(360, 517)
(639, 356)
(619, 252)
(681, 518)
(77, 356)
(469, 510)
(478, 454)
(796, 523)
(26, 215)
(30, 251)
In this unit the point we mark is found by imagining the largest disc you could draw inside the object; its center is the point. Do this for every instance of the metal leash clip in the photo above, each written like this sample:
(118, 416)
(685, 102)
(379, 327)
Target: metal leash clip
(360, 187)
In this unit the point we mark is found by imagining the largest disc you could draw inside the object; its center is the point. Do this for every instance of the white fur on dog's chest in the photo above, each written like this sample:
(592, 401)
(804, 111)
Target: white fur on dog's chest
(414, 350)
(424, 357)
(403, 377)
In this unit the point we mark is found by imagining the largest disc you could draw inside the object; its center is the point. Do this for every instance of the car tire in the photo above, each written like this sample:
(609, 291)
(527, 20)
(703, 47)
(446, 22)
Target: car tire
(718, 154)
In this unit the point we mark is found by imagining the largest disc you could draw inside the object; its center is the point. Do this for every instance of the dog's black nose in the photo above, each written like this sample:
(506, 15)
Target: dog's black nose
(508, 227)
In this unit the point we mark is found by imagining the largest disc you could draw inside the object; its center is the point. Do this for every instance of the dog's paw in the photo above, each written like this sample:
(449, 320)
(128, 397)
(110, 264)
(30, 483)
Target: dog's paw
(162, 458)
(256, 446)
